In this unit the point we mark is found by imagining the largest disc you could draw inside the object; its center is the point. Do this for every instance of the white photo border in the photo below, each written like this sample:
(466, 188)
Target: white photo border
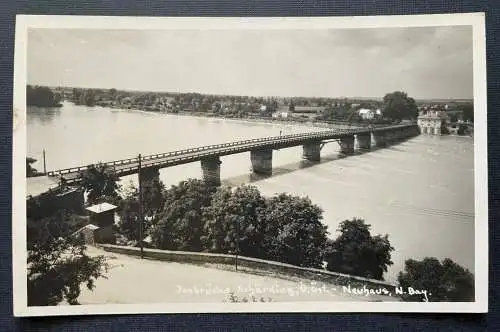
(19, 252)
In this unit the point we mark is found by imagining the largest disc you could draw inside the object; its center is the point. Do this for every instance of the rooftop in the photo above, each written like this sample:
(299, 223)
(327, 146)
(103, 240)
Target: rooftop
(102, 207)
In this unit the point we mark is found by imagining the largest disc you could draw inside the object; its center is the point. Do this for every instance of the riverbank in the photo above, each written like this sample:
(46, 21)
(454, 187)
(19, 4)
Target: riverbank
(260, 120)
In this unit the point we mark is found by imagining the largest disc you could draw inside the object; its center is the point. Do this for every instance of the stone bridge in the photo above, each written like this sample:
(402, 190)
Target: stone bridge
(261, 152)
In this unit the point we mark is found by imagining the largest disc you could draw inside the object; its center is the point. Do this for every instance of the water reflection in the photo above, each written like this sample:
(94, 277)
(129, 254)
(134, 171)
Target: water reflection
(43, 115)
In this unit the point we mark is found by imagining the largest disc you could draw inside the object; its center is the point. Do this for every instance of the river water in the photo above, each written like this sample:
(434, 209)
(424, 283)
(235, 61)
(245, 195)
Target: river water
(420, 192)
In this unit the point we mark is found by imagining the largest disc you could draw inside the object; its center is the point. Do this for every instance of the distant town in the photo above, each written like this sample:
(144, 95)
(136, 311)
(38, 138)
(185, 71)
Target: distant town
(454, 115)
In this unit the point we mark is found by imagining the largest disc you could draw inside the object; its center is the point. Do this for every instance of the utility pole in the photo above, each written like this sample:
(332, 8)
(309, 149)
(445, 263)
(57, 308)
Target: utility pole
(141, 212)
(237, 244)
(44, 164)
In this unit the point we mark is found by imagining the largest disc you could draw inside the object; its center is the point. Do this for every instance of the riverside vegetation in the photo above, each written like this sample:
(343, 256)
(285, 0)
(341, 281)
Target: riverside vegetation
(193, 216)
(395, 106)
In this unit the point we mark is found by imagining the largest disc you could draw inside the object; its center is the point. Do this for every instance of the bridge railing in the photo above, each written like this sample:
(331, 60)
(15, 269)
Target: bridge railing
(283, 138)
(67, 170)
(256, 142)
(224, 145)
(233, 147)
(236, 146)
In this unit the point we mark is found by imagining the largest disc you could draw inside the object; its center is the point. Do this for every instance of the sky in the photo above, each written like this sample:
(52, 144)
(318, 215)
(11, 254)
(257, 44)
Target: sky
(425, 62)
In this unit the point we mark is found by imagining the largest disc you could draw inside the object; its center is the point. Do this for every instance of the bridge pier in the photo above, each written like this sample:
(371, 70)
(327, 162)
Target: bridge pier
(379, 137)
(262, 161)
(210, 168)
(364, 141)
(312, 151)
(347, 144)
(148, 177)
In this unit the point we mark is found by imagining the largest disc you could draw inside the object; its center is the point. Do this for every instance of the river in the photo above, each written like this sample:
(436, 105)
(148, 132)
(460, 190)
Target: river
(420, 192)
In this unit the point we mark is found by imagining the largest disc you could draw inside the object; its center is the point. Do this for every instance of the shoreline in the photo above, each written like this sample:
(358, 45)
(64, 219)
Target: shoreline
(270, 121)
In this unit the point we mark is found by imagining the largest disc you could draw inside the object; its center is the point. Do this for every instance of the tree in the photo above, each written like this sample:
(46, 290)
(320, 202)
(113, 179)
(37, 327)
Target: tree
(468, 112)
(129, 209)
(76, 96)
(87, 97)
(30, 171)
(357, 252)
(233, 219)
(463, 130)
(398, 106)
(112, 93)
(129, 215)
(453, 118)
(57, 262)
(42, 96)
(293, 232)
(100, 183)
(444, 281)
(179, 225)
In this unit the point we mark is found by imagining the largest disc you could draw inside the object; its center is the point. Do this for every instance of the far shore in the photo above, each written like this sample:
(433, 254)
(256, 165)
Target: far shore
(270, 121)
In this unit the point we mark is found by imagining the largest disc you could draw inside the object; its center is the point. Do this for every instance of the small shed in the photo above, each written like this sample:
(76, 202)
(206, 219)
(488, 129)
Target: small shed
(93, 234)
(89, 232)
(102, 215)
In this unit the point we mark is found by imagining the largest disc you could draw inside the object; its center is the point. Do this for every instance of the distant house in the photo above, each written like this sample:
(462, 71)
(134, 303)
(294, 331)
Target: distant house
(368, 114)
(310, 112)
(280, 114)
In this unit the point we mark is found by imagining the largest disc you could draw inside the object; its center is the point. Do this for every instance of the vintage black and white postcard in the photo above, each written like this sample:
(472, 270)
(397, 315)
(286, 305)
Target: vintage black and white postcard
(167, 165)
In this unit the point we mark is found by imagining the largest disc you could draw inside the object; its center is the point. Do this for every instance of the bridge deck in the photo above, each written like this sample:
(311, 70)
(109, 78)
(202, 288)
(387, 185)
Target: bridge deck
(130, 166)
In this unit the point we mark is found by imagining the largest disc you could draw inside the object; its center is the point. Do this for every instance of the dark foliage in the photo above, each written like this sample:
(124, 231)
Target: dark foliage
(398, 106)
(30, 171)
(445, 281)
(467, 112)
(179, 225)
(42, 96)
(234, 218)
(57, 262)
(100, 183)
(129, 210)
(293, 232)
(197, 217)
(357, 252)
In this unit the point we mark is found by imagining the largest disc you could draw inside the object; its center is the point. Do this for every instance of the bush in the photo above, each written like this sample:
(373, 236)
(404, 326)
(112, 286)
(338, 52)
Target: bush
(57, 262)
(444, 281)
(233, 218)
(179, 225)
(294, 232)
(100, 183)
(357, 252)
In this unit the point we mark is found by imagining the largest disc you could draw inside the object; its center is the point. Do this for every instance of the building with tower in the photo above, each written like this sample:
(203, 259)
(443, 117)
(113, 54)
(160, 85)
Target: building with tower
(431, 121)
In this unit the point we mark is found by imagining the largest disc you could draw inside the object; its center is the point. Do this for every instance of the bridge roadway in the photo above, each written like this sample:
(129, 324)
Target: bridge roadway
(131, 166)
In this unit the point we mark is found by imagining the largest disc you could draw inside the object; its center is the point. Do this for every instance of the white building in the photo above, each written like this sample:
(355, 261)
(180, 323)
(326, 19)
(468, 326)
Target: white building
(368, 114)
(280, 114)
(430, 122)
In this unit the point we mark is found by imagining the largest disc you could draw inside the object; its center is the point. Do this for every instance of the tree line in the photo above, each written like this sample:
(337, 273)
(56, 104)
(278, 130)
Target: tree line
(42, 96)
(395, 106)
(193, 216)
